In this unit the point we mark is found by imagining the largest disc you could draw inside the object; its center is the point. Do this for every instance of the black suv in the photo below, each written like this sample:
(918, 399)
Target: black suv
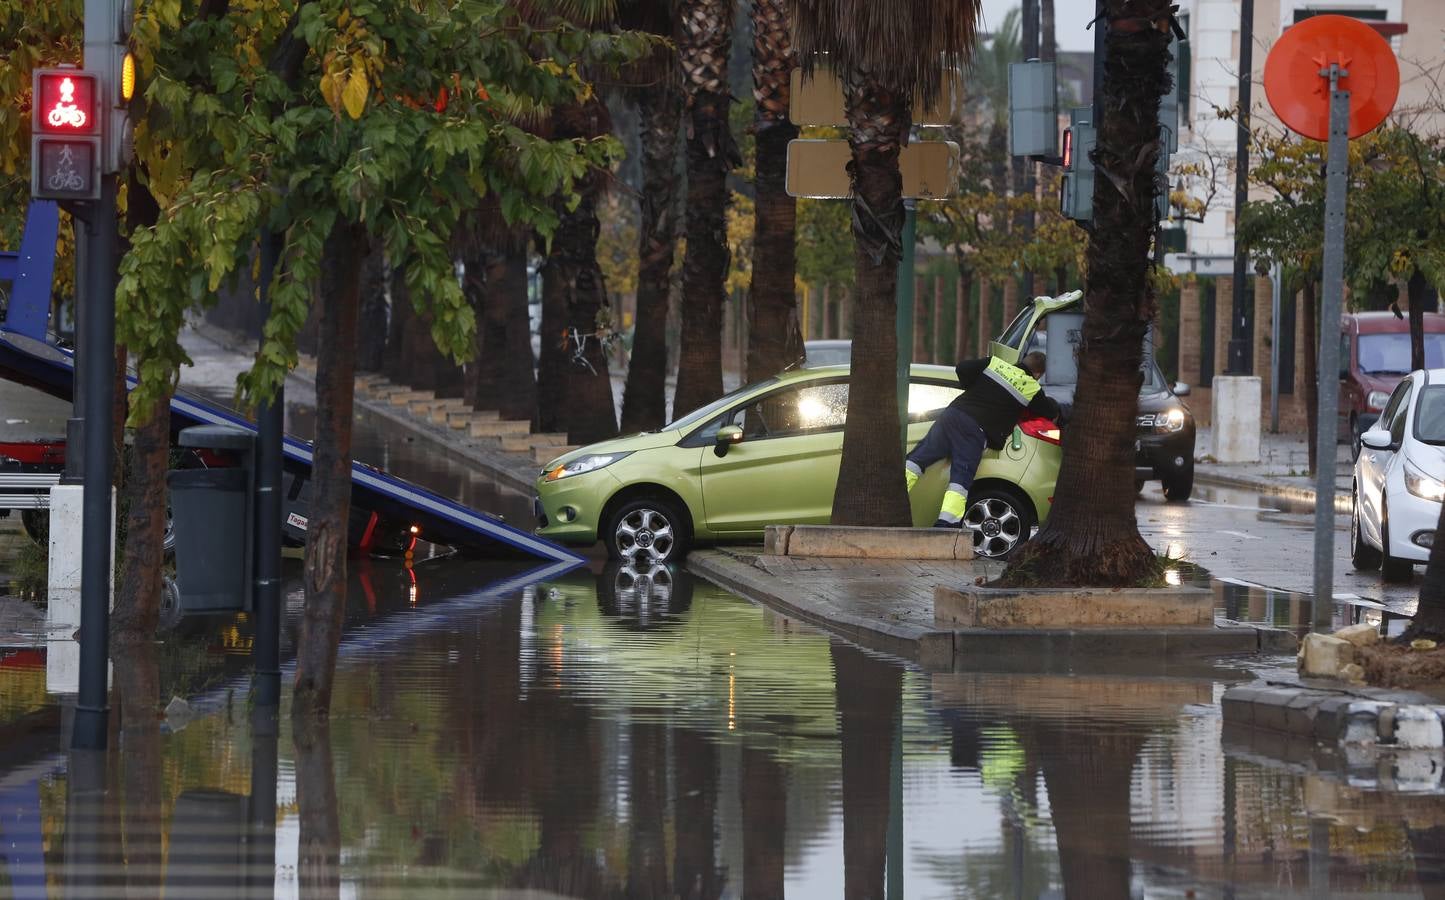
(1164, 443)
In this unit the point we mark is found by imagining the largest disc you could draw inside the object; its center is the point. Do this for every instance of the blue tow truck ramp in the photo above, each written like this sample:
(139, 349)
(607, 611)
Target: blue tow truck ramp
(28, 355)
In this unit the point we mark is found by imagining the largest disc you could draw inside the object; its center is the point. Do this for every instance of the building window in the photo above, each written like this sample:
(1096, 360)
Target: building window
(1374, 15)
(1181, 90)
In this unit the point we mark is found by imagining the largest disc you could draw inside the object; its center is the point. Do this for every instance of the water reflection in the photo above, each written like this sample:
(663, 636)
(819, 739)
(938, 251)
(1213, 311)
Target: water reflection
(640, 735)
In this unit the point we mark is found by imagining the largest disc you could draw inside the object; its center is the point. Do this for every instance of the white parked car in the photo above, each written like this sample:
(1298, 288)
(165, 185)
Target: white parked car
(1400, 479)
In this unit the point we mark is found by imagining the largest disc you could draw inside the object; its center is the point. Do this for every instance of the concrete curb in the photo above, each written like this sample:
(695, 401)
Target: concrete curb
(970, 606)
(1353, 725)
(946, 650)
(510, 470)
(863, 542)
(1269, 486)
(931, 649)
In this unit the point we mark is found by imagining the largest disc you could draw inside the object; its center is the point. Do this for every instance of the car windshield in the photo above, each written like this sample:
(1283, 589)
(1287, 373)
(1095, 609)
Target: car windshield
(702, 412)
(1430, 415)
(1389, 354)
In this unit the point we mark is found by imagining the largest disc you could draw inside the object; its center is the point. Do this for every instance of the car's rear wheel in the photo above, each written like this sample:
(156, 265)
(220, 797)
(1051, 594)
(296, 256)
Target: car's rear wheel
(649, 527)
(1354, 437)
(1392, 569)
(1364, 557)
(1000, 520)
(1178, 486)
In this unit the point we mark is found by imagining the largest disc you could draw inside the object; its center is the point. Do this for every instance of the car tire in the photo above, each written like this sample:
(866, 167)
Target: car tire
(170, 610)
(1362, 556)
(1393, 570)
(1354, 437)
(1179, 486)
(1001, 519)
(651, 526)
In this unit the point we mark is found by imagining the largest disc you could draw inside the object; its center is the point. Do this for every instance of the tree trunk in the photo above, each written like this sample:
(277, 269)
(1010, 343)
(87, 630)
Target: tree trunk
(330, 505)
(1416, 289)
(774, 339)
(870, 474)
(137, 603)
(1047, 49)
(1312, 363)
(371, 322)
(765, 824)
(502, 376)
(397, 366)
(936, 321)
(574, 388)
(137, 691)
(417, 361)
(644, 399)
(706, 35)
(1092, 537)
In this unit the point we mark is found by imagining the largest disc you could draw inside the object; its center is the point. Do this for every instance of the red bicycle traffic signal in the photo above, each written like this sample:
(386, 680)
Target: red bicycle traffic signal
(65, 128)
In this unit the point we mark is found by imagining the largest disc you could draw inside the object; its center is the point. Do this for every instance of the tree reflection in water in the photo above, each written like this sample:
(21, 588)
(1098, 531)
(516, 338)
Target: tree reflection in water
(870, 693)
(319, 854)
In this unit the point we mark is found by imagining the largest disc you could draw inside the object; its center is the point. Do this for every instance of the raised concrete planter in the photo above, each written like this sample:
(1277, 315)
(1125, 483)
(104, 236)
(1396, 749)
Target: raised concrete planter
(405, 398)
(460, 419)
(498, 428)
(860, 542)
(983, 607)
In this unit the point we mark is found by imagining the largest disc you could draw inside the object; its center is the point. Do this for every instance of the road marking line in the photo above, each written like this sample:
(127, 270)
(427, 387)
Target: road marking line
(1250, 537)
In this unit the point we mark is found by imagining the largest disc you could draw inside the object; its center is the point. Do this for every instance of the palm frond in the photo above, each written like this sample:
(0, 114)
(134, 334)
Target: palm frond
(904, 45)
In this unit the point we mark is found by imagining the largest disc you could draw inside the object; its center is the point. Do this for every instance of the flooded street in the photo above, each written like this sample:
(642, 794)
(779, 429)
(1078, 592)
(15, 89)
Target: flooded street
(504, 730)
(582, 737)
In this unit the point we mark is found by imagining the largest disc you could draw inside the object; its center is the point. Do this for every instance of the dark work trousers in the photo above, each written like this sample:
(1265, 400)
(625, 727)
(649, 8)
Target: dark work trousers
(956, 437)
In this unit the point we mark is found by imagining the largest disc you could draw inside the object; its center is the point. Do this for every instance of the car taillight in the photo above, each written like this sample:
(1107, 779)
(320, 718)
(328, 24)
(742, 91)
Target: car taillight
(1043, 429)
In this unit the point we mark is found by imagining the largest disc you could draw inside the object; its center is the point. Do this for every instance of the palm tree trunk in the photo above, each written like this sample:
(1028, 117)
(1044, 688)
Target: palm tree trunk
(706, 34)
(574, 389)
(330, 504)
(644, 400)
(869, 695)
(870, 474)
(1092, 537)
(1047, 49)
(774, 339)
(960, 320)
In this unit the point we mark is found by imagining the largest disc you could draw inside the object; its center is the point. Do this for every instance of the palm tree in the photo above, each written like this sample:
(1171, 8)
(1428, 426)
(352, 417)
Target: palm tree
(774, 337)
(1092, 537)
(704, 41)
(886, 53)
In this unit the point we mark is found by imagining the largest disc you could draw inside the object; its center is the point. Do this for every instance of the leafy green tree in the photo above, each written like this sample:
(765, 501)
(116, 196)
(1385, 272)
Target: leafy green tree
(337, 126)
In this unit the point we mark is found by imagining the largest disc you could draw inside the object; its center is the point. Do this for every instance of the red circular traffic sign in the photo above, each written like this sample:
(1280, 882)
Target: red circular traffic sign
(1300, 96)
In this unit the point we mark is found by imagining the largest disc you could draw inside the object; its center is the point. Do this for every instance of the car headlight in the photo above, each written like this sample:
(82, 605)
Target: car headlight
(1173, 420)
(1422, 485)
(1377, 399)
(584, 465)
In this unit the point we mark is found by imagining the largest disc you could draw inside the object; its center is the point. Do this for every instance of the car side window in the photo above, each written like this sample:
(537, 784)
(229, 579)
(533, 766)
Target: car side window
(927, 399)
(1401, 402)
(805, 410)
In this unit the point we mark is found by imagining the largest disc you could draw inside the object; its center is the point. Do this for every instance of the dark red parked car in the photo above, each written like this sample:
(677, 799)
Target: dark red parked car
(1374, 357)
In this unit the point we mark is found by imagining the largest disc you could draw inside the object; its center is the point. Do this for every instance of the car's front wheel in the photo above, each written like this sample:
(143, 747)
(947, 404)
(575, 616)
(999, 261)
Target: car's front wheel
(648, 527)
(1000, 520)
(1392, 569)
(1362, 556)
(1354, 437)
(1180, 484)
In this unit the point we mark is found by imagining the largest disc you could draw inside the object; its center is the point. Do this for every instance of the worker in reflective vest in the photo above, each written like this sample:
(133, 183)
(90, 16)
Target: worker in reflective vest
(983, 416)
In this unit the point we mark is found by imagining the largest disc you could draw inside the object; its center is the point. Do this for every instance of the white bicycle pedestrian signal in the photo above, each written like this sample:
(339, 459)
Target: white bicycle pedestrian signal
(65, 113)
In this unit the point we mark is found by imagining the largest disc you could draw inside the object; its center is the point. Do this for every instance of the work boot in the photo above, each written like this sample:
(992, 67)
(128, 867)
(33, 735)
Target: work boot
(944, 523)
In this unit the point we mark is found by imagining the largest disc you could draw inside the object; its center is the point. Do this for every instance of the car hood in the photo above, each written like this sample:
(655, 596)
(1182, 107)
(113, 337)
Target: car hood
(631, 443)
(1428, 459)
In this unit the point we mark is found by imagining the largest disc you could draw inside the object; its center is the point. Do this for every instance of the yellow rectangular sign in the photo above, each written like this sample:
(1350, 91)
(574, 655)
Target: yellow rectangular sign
(820, 169)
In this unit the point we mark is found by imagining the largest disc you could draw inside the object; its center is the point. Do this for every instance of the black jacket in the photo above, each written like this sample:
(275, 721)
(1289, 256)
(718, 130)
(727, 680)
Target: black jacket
(995, 393)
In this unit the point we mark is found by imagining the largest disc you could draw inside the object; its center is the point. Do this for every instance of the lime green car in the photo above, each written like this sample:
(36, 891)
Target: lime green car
(768, 454)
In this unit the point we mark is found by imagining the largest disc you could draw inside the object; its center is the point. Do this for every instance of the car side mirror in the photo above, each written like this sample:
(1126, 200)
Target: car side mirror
(1181, 389)
(1377, 439)
(726, 437)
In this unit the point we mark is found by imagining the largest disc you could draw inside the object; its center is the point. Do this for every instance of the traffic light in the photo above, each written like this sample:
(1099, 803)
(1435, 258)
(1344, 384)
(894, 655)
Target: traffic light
(65, 135)
(1076, 198)
(107, 50)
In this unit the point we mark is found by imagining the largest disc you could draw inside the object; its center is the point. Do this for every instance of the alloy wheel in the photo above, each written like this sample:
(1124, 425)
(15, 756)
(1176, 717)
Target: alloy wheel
(646, 532)
(997, 527)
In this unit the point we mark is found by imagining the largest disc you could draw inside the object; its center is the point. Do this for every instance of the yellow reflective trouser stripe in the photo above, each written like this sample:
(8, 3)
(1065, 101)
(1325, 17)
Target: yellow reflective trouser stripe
(954, 505)
(911, 471)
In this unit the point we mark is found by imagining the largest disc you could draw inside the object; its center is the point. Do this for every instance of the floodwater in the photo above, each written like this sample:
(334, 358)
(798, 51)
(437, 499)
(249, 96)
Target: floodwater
(633, 734)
